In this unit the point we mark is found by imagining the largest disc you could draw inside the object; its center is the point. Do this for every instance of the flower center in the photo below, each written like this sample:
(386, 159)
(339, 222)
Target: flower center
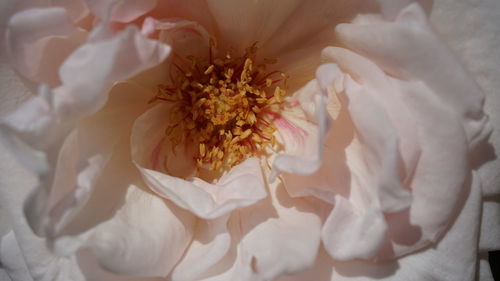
(224, 106)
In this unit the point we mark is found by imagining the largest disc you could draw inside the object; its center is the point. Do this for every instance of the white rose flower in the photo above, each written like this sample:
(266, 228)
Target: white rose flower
(237, 140)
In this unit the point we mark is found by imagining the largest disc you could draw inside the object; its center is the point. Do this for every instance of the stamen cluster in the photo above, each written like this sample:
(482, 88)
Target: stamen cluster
(224, 106)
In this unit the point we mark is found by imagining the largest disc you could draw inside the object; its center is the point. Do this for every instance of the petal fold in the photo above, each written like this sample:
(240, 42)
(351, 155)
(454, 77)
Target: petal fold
(170, 172)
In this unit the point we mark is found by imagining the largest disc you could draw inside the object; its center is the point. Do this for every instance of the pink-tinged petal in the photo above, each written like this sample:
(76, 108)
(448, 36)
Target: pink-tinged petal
(440, 179)
(210, 244)
(385, 92)
(146, 237)
(243, 23)
(186, 38)
(410, 50)
(92, 67)
(277, 236)
(38, 40)
(375, 181)
(83, 161)
(303, 128)
(170, 172)
(122, 10)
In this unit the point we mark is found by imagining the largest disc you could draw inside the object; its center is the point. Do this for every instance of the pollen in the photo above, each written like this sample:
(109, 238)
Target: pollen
(224, 106)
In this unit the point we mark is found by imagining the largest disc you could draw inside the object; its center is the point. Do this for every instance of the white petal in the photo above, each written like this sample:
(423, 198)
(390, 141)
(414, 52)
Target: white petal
(164, 170)
(38, 40)
(146, 237)
(277, 236)
(303, 129)
(23, 254)
(210, 244)
(93, 66)
(392, 46)
(81, 160)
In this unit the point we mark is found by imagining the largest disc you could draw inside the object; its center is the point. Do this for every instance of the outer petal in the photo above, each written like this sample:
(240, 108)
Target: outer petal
(452, 259)
(42, 123)
(164, 168)
(146, 237)
(45, 41)
(392, 46)
(430, 211)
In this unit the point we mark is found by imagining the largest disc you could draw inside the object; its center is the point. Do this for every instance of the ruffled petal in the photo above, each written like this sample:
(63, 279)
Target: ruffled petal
(396, 46)
(303, 128)
(45, 41)
(164, 169)
(277, 236)
(38, 128)
(437, 169)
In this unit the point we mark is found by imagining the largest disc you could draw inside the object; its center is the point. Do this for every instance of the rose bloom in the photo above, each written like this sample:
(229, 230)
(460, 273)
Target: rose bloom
(239, 140)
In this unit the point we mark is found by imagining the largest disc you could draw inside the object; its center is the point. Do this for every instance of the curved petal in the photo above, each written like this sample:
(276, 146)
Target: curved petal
(146, 237)
(393, 45)
(381, 88)
(277, 236)
(442, 165)
(45, 41)
(303, 128)
(44, 122)
(163, 168)
(210, 244)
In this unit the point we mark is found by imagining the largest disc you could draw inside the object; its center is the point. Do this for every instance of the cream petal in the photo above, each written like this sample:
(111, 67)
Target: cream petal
(81, 162)
(353, 232)
(242, 23)
(43, 122)
(24, 255)
(303, 128)
(210, 244)
(277, 236)
(122, 10)
(437, 173)
(46, 42)
(388, 95)
(375, 181)
(94, 65)
(163, 170)
(146, 237)
(392, 46)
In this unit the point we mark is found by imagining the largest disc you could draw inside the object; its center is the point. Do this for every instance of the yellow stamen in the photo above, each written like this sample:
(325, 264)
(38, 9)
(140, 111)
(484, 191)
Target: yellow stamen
(223, 105)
